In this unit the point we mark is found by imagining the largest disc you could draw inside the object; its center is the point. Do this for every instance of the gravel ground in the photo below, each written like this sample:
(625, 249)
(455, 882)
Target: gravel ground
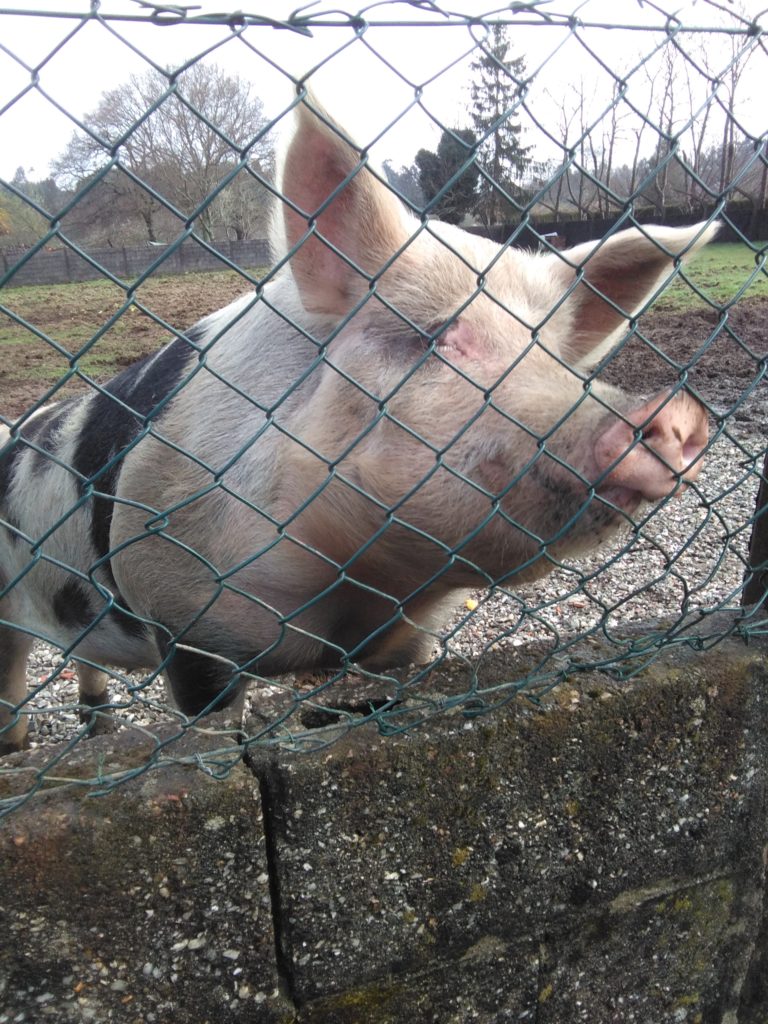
(686, 556)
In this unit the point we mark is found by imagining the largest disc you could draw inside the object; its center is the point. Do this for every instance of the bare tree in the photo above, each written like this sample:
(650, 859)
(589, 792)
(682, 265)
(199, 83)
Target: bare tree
(713, 78)
(567, 179)
(699, 111)
(578, 183)
(566, 113)
(662, 81)
(242, 207)
(603, 156)
(730, 82)
(169, 143)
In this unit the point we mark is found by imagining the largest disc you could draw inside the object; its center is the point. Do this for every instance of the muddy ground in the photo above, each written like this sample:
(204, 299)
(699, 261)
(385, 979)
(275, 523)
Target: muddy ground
(726, 356)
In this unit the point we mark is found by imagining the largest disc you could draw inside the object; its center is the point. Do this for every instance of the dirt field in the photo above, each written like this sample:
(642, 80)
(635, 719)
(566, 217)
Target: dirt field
(71, 315)
(726, 367)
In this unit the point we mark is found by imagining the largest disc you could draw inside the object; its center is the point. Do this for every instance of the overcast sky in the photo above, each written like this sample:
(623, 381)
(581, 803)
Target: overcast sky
(356, 84)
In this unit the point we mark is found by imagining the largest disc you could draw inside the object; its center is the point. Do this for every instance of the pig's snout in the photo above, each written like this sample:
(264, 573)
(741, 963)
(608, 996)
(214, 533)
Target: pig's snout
(653, 450)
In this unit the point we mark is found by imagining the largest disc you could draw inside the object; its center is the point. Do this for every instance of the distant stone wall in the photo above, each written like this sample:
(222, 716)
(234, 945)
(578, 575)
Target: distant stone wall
(60, 266)
(601, 859)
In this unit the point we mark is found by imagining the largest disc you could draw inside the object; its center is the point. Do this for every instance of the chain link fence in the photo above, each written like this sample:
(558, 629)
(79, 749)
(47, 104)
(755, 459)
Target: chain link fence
(404, 444)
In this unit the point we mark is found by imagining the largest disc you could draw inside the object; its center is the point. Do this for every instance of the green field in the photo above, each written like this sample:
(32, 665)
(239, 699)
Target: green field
(720, 272)
(71, 315)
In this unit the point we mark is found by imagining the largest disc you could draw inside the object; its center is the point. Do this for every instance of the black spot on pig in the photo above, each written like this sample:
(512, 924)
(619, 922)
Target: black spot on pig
(115, 418)
(71, 606)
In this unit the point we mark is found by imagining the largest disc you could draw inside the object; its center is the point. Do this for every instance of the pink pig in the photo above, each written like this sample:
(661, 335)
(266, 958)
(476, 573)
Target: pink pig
(314, 474)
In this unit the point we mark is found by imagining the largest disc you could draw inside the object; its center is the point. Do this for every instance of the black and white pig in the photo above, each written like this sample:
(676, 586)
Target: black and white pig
(309, 476)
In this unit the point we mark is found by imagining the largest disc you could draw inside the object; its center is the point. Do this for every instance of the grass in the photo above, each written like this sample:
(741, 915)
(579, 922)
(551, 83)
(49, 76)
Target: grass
(72, 315)
(719, 272)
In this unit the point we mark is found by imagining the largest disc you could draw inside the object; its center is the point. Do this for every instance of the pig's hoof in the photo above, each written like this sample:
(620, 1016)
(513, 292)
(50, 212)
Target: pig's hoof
(101, 724)
(97, 715)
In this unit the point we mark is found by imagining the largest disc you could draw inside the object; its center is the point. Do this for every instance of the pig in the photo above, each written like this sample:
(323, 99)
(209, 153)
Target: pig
(312, 476)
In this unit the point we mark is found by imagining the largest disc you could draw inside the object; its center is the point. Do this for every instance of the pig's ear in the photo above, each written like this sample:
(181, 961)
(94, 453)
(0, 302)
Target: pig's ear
(332, 202)
(618, 277)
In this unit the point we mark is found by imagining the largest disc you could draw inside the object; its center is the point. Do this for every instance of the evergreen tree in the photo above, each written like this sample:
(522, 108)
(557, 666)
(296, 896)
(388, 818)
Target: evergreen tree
(436, 170)
(497, 77)
(405, 182)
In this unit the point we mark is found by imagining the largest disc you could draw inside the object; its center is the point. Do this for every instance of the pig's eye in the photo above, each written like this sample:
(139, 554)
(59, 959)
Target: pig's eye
(435, 333)
(458, 342)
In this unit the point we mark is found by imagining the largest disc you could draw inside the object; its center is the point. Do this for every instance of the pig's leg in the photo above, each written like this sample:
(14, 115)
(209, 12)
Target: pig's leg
(200, 682)
(94, 693)
(14, 652)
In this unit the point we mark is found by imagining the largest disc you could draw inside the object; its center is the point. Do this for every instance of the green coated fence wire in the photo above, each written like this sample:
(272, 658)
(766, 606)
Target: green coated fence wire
(539, 125)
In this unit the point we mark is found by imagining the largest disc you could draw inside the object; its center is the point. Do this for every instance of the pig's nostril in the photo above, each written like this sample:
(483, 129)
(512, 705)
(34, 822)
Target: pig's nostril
(655, 449)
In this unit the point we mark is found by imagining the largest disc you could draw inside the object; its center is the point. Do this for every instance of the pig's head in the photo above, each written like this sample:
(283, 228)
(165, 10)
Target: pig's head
(455, 409)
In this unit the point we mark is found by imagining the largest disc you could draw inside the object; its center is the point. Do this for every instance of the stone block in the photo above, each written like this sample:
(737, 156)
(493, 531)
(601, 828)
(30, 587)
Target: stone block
(394, 856)
(150, 903)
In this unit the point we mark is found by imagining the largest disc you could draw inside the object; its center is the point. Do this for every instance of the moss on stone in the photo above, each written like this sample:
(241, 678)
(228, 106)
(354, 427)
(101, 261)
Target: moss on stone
(460, 856)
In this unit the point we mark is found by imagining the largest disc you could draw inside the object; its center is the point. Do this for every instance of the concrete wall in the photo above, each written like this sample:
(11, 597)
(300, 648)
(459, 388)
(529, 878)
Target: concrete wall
(599, 859)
